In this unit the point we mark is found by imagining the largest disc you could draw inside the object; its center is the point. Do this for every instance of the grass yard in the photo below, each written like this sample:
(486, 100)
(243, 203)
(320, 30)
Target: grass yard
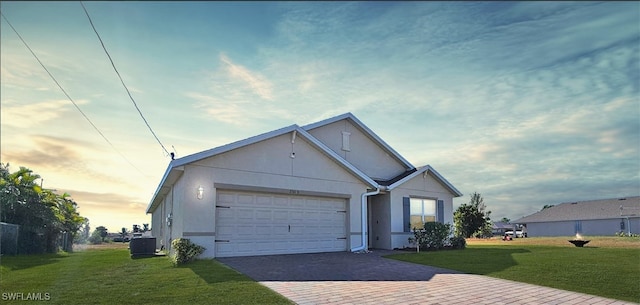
(110, 276)
(607, 266)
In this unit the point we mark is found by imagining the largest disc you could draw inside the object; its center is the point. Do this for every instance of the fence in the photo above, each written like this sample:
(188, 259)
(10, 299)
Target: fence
(9, 238)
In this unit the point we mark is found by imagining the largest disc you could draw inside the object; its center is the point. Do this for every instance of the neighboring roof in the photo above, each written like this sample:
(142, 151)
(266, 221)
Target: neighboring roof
(614, 208)
(176, 167)
(349, 116)
(502, 225)
(424, 170)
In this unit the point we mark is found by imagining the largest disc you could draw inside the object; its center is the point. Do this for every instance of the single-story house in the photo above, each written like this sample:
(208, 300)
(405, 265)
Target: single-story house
(329, 186)
(499, 228)
(594, 217)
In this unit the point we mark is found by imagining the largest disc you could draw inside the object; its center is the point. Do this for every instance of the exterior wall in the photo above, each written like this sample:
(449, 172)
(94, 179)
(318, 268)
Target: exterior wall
(556, 228)
(419, 186)
(600, 227)
(365, 154)
(157, 226)
(264, 166)
(160, 229)
(380, 222)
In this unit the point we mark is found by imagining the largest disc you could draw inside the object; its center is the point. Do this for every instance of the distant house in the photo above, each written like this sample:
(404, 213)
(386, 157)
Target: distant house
(499, 227)
(333, 185)
(594, 217)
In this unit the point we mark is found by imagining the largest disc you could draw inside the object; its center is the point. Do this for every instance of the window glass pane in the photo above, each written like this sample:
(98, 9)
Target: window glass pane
(422, 210)
(429, 219)
(416, 222)
(429, 207)
(416, 206)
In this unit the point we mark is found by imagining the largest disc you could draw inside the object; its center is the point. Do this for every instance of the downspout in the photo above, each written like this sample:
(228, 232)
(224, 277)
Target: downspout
(363, 200)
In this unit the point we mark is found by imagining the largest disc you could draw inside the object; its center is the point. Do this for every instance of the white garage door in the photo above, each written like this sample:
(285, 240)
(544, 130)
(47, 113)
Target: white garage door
(259, 224)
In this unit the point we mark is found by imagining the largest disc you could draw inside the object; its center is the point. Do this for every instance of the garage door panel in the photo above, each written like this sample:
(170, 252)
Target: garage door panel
(243, 215)
(297, 203)
(280, 231)
(280, 202)
(225, 232)
(245, 231)
(225, 213)
(264, 200)
(263, 215)
(296, 216)
(261, 231)
(297, 246)
(280, 215)
(245, 199)
(261, 224)
(226, 198)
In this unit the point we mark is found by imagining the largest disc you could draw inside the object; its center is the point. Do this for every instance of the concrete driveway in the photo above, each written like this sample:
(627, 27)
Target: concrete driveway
(367, 278)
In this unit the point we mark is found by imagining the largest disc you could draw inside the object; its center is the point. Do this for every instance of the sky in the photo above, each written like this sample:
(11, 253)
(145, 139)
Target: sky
(526, 103)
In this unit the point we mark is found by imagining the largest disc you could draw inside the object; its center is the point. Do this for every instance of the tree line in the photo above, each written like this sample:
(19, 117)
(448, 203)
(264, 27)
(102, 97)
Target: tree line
(48, 221)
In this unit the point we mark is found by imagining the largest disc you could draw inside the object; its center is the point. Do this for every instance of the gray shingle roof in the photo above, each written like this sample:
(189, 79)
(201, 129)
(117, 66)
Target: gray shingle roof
(587, 210)
(502, 225)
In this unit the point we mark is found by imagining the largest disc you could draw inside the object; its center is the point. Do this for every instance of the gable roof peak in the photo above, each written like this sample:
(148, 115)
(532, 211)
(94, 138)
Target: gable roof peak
(368, 132)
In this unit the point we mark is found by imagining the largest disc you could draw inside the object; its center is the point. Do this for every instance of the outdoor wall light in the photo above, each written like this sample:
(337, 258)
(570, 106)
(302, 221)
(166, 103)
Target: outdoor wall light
(200, 192)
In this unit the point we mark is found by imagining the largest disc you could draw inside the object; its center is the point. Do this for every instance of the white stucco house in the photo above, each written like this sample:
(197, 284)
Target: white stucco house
(329, 186)
(603, 217)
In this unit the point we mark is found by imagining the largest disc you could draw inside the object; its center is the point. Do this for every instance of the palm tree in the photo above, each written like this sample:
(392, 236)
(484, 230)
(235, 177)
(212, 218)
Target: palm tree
(123, 233)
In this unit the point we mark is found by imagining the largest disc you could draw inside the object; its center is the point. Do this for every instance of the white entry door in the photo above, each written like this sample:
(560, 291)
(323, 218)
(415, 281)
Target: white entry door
(250, 223)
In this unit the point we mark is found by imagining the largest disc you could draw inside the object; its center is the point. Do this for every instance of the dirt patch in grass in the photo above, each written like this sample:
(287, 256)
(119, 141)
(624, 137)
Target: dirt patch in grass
(103, 246)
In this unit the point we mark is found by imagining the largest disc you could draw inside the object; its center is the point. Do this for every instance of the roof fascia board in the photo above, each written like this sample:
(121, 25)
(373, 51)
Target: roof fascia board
(366, 130)
(235, 145)
(158, 191)
(215, 151)
(437, 175)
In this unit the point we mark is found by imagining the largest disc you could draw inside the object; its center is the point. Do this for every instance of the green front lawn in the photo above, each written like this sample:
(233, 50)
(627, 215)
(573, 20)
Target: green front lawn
(612, 272)
(110, 276)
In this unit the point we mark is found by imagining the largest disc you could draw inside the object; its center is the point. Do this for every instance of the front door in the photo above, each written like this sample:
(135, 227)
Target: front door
(379, 222)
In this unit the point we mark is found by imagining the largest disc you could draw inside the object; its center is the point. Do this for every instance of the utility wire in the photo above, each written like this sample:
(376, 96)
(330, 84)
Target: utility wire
(67, 95)
(120, 77)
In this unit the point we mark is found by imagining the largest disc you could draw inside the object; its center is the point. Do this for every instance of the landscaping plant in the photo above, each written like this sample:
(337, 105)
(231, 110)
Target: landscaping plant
(185, 251)
(436, 236)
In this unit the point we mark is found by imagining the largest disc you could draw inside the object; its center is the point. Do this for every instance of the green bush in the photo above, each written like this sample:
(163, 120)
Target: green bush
(95, 238)
(624, 234)
(458, 242)
(432, 236)
(185, 251)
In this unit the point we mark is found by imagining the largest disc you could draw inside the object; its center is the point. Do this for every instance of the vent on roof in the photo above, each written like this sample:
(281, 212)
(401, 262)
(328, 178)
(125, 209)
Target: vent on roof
(345, 141)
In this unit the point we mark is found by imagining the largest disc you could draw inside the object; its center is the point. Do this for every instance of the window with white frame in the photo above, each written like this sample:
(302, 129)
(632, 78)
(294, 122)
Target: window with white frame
(422, 210)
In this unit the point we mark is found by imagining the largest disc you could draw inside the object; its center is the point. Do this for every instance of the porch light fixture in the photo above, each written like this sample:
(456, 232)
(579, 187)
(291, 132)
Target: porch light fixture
(200, 192)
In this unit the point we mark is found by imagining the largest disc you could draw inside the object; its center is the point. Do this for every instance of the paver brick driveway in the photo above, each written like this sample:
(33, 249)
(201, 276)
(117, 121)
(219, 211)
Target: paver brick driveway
(368, 278)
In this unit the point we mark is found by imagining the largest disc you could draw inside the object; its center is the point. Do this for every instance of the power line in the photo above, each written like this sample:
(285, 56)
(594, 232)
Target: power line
(121, 80)
(67, 95)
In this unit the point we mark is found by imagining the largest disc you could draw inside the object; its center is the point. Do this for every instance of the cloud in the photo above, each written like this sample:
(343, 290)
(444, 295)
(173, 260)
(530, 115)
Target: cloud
(239, 96)
(20, 71)
(115, 210)
(106, 200)
(22, 116)
(50, 152)
(258, 83)
(61, 156)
